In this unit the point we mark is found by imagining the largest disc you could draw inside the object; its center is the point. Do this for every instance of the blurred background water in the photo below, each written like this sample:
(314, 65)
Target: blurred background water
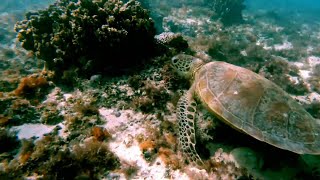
(286, 5)
(307, 9)
(20, 5)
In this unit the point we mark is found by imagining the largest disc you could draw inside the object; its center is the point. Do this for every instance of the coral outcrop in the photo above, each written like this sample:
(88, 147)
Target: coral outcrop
(89, 36)
(172, 41)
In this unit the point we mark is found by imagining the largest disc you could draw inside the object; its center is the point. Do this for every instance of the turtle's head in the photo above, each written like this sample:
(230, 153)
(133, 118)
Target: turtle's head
(186, 65)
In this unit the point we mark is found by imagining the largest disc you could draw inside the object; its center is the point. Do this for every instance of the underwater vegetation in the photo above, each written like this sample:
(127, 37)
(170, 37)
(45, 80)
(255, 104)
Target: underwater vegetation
(52, 158)
(89, 36)
(29, 85)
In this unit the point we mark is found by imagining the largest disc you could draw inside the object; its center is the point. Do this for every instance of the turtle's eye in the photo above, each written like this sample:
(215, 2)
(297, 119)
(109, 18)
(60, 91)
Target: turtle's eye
(175, 60)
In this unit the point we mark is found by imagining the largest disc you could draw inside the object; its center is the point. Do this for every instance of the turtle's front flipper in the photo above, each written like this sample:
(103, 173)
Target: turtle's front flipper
(186, 110)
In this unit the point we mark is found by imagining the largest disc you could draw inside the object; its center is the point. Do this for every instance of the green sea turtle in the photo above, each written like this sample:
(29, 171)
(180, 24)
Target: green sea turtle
(247, 102)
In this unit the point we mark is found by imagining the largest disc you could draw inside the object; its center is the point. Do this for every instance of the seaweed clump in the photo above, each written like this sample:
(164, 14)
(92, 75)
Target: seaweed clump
(229, 11)
(280, 72)
(52, 158)
(31, 85)
(238, 50)
(154, 96)
(162, 144)
(314, 79)
(17, 111)
(89, 36)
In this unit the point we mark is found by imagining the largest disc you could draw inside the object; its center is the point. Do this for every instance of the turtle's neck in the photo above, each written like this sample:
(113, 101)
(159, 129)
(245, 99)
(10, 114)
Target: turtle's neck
(197, 64)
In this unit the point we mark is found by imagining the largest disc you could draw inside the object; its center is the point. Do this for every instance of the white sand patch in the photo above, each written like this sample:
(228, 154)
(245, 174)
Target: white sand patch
(313, 61)
(125, 120)
(126, 89)
(312, 97)
(124, 126)
(298, 64)
(243, 53)
(294, 79)
(27, 131)
(262, 42)
(305, 74)
(67, 96)
(133, 154)
(304, 70)
(284, 46)
(309, 49)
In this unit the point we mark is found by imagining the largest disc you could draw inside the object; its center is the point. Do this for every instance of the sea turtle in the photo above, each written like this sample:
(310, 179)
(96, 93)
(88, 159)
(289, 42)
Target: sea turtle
(247, 102)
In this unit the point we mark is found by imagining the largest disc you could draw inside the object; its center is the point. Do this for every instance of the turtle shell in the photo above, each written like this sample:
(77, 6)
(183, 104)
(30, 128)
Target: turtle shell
(258, 107)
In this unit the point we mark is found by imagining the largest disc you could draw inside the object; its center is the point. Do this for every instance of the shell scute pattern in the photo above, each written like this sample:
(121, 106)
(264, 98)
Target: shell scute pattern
(256, 106)
(271, 115)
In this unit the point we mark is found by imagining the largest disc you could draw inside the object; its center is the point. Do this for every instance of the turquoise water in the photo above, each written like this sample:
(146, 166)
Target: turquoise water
(307, 9)
(286, 5)
(16, 5)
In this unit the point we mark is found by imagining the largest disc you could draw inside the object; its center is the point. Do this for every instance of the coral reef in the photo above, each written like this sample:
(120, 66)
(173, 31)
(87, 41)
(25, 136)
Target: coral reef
(89, 36)
(173, 42)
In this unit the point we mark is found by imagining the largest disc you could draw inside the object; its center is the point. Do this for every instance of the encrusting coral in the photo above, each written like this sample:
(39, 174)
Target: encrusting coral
(172, 41)
(89, 36)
